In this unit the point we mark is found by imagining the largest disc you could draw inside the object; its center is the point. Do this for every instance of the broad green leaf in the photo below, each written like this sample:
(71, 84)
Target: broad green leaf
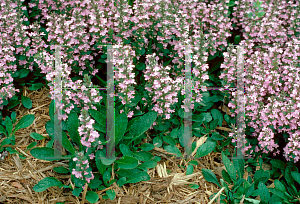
(24, 122)
(31, 145)
(67, 144)
(205, 149)
(174, 133)
(26, 102)
(99, 117)
(142, 125)
(143, 156)
(147, 147)
(278, 164)
(127, 162)
(237, 39)
(101, 156)
(216, 136)
(173, 149)
(46, 183)
(50, 128)
(252, 200)
(140, 66)
(121, 181)
(138, 177)
(183, 139)
(279, 185)
(148, 164)
(207, 117)
(189, 169)
(52, 110)
(37, 136)
(106, 176)
(194, 162)
(13, 116)
(229, 167)
(23, 72)
(92, 196)
(2, 130)
(261, 14)
(213, 124)
(61, 170)
(8, 125)
(125, 150)
(296, 176)
(250, 190)
(36, 86)
(210, 176)
(226, 176)
(263, 192)
(120, 128)
(216, 114)
(194, 186)
(76, 192)
(239, 165)
(43, 153)
(72, 127)
(111, 194)
(261, 175)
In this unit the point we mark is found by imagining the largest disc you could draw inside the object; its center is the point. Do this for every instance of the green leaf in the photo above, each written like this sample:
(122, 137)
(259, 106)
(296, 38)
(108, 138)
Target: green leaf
(121, 181)
(252, 200)
(72, 127)
(210, 176)
(26, 102)
(142, 125)
(147, 147)
(125, 150)
(239, 165)
(36, 86)
(92, 196)
(260, 14)
(189, 169)
(237, 39)
(205, 149)
(13, 116)
(173, 149)
(249, 191)
(8, 125)
(194, 186)
(120, 128)
(2, 130)
(216, 114)
(127, 162)
(194, 162)
(37, 136)
(106, 176)
(213, 124)
(24, 122)
(138, 177)
(148, 164)
(207, 117)
(143, 156)
(61, 170)
(140, 66)
(231, 3)
(52, 110)
(99, 117)
(111, 194)
(229, 167)
(157, 141)
(279, 185)
(278, 164)
(263, 192)
(46, 183)
(226, 176)
(183, 139)
(216, 136)
(30, 146)
(174, 133)
(67, 144)
(76, 192)
(43, 153)
(261, 175)
(101, 156)
(296, 176)
(23, 72)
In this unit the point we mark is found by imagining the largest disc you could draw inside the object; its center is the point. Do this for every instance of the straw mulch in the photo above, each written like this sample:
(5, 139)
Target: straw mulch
(17, 177)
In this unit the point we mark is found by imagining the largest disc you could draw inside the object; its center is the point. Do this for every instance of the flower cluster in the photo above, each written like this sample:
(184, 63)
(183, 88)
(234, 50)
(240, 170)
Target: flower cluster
(82, 170)
(292, 149)
(272, 69)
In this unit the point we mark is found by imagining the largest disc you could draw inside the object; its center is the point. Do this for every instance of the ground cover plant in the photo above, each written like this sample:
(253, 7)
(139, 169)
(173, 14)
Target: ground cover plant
(148, 68)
